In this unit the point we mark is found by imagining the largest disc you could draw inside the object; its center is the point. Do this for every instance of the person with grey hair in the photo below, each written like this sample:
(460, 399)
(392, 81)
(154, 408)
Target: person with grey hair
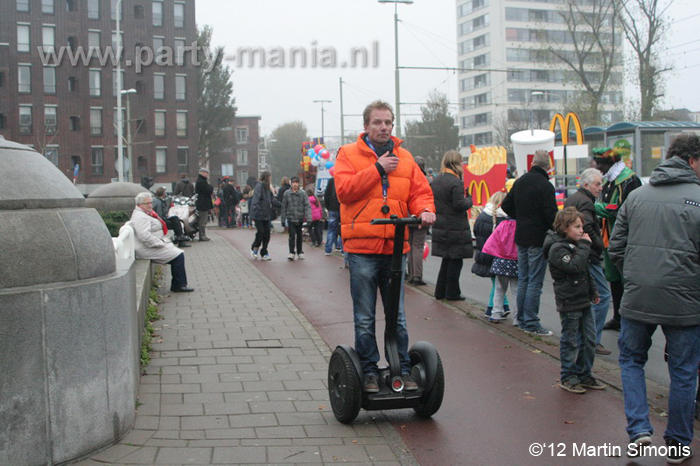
(151, 242)
(590, 187)
(532, 203)
(203, 204)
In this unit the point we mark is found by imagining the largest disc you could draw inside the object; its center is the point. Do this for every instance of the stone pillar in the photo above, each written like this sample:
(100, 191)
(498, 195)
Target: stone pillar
(69, 355)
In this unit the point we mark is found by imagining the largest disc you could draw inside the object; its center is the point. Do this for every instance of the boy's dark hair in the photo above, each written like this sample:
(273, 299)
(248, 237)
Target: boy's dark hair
(565, 218)
(295, 179)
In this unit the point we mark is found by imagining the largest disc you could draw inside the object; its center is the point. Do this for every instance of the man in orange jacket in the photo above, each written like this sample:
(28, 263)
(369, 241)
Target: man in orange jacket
(376, 178)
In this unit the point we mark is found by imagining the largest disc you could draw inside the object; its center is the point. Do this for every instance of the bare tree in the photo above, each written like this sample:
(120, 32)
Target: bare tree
(644, 26)
(587, 47)
(435, 133)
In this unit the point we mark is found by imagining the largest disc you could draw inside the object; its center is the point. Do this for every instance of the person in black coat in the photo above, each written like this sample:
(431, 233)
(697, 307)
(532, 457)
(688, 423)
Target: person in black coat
(203, 204)
(261, 204)
(532, 203)
(452, 239)
(231, 200)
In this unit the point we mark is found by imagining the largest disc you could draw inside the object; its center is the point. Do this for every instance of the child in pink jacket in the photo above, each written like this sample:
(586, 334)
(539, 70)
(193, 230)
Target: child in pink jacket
(501, 245)
(315, 225)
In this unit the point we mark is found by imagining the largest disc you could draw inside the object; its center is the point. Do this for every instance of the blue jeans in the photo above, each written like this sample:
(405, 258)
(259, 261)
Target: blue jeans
(531, 269)
(577, 345)
(333, 236)
(600, 310)
(683, 346)
(367, 273)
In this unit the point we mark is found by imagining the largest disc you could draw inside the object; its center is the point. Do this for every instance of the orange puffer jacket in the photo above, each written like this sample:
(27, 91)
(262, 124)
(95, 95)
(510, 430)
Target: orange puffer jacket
(359, 189)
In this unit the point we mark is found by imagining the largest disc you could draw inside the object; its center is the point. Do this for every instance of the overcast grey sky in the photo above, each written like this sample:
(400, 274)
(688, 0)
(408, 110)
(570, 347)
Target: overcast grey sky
(427, 37)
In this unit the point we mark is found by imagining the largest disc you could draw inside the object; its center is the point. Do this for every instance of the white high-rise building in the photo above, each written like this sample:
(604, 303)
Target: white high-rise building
(498, 41)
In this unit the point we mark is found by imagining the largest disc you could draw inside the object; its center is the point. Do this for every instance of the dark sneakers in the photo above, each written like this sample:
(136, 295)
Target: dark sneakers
(612, 324)
(409, 384)
(592, 383)
(637, 442)
(677, 452)
(370, 384)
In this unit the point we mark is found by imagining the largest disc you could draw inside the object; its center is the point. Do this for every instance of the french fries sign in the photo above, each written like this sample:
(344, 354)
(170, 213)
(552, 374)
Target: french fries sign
(485, 173)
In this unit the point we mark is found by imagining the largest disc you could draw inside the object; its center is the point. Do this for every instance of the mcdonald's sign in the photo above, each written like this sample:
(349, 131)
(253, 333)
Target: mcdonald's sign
(476, 188)
(564, 123)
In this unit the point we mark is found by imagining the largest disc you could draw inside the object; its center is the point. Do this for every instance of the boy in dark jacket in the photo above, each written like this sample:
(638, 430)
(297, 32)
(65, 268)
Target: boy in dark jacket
(567, 249)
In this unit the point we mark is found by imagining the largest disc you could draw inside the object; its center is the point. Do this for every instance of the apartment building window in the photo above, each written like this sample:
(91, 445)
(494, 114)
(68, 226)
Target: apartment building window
(242, 157)
(71, 5)
(158, 43)
(116, 121)
(23, 42)
(482, 119)
(182, 156)
(180, 87)
(95, 83)
(24, 79)
(161, 159)
(2, 121)
(481, 80)
(93, 9)
(160, 123)
(157, 13)
(242, 177)
(95, 121)
(25, 119)
(94, 40)
(159, 86)
(97, 160)
(242, 135)
(74, 123)
(47, 6)
(139, 12)
(179, 10)
(72, 84)
(483, 138)
(182, 124)
(114, 82)
(51, 153)
(72, 42)
(179, 51)
(114, 10)
(23, 5)
(49, 80)
(50, 119)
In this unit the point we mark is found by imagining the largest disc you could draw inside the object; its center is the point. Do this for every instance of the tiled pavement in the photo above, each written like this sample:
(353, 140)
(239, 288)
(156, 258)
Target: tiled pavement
(238, 376)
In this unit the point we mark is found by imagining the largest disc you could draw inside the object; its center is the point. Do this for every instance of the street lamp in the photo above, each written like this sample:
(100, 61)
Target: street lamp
(128, 132)
(120, 118)
(323, 130)
(396, 60)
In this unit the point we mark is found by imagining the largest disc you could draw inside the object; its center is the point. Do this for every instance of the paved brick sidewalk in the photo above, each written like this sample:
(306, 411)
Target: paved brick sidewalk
(239, 377)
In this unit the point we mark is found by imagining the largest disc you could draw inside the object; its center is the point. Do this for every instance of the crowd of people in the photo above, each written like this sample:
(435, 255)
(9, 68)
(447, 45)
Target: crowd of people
(615, 240)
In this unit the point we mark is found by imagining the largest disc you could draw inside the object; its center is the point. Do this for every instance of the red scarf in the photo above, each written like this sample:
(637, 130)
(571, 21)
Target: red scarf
(162, 223)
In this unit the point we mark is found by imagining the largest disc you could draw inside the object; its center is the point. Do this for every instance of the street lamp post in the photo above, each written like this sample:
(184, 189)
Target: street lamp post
(323, 129)
(128, 132)
(120, 117)
(396, 61)
(566, 168)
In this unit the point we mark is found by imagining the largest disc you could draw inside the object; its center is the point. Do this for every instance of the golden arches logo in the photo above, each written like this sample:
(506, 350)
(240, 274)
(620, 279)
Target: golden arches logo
(476, 188)
(564, 123)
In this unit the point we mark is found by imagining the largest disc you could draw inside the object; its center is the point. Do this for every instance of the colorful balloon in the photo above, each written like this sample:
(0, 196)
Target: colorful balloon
(314, 162)
(329, 165)
(318, 148)
(311, 153)
(332, 171)
(325, 153)
(426, 251)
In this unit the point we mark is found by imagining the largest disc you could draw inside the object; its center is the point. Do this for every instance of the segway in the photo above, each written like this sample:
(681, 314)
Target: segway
(345, 375)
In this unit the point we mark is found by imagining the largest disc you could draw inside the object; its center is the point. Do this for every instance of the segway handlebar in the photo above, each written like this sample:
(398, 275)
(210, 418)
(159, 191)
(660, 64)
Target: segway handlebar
(394, 220)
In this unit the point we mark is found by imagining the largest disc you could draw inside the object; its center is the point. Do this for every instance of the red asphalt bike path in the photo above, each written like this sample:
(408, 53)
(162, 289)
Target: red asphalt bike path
(501, 395)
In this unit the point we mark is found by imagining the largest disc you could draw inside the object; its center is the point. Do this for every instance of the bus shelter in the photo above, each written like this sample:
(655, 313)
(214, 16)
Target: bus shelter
(648, 141)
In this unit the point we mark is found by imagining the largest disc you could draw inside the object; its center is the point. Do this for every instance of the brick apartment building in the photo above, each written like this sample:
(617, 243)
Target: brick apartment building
(239, 159)
(68, 112)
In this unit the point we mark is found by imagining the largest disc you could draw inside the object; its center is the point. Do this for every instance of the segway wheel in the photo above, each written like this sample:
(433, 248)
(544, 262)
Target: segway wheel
(344, 388)
(432, 399)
